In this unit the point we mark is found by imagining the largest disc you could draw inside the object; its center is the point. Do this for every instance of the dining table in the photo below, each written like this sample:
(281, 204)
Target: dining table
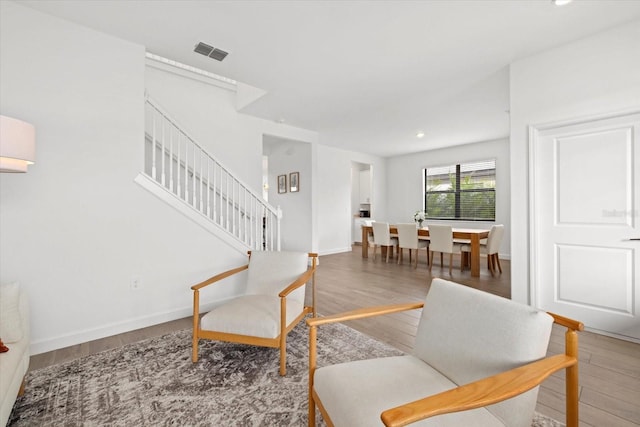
(472, 235)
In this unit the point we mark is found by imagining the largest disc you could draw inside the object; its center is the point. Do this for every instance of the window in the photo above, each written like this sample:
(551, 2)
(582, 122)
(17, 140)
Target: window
(466, 191)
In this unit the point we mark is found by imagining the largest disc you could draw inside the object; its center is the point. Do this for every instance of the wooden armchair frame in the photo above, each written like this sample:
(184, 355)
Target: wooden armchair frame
(278, 342)
(476, 394)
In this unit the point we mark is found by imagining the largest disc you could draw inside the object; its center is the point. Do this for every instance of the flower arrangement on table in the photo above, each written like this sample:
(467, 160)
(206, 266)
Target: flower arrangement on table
(420, 216)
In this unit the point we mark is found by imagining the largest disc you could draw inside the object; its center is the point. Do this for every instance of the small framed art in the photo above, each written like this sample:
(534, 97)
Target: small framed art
(282, 183)
(294, 184)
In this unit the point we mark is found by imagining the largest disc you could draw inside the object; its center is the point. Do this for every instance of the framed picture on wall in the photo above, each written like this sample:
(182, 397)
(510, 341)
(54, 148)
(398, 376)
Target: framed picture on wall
(294, 178)
(282, 183)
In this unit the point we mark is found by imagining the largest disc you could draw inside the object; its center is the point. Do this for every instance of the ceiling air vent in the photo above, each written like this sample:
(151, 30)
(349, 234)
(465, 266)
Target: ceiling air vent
(210, 51)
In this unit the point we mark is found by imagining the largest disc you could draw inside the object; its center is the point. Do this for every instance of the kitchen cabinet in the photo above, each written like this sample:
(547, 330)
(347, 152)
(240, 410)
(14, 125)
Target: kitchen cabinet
(356, 234)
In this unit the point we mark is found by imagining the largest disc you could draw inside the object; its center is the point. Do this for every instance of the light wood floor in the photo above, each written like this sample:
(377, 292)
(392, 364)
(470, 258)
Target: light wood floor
(609, 368)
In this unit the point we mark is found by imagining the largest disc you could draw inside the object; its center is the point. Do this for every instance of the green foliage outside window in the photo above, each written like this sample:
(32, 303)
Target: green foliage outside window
(474, 199)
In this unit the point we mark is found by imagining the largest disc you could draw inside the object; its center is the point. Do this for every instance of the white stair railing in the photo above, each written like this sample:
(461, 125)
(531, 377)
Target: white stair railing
(174, 160)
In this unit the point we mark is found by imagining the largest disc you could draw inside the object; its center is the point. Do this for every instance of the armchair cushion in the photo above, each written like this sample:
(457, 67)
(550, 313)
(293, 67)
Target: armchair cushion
(464, 335)
(269, 271)
(485, 335)
(368, 387)
(253, 315)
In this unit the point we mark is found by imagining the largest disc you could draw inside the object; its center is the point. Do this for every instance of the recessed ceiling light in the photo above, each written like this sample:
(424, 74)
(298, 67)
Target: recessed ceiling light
(420, 134)
(561, 2)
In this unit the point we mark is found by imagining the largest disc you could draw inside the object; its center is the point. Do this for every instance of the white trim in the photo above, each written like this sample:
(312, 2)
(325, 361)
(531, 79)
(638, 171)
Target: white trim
(188, 71)
(335, 251)
(111, 329)
(532, 247)
(198, 217)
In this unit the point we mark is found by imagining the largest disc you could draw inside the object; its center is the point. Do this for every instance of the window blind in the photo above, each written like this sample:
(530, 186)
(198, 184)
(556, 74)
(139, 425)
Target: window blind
(464, 191)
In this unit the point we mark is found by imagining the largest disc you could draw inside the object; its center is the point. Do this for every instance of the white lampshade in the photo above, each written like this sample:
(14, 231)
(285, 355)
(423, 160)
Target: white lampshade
(17, 145)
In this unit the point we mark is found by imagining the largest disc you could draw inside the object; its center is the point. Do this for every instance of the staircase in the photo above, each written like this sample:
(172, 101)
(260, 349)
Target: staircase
(178, 170)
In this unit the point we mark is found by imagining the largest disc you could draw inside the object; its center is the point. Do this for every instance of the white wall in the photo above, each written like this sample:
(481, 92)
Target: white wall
(76, 229)
(595, 75)
(333, 196)
(296, 224)
(405, 178)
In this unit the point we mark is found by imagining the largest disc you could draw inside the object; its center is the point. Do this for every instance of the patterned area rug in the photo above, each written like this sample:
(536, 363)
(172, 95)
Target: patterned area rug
(154, 383)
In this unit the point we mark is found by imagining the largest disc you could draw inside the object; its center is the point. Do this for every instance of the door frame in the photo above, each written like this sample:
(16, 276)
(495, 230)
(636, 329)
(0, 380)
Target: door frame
(535, 131)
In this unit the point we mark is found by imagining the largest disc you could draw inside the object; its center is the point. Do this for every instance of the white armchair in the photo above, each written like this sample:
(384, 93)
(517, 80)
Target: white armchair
(272, 305)
(477, 361)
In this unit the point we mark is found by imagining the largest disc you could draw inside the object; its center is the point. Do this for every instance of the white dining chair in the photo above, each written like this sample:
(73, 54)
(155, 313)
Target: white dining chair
(408, 239)
(441, 240)
(382, 238)
(489, 247)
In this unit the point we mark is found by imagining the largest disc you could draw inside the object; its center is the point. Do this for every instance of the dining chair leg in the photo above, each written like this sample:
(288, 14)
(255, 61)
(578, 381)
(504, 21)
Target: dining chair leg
(441, 260)
(431, 260)
(498, 262)
(492, 266)
(450, 262)
(400, 255)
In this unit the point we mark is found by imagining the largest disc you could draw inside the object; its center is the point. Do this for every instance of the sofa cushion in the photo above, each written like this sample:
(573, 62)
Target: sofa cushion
(356, 393)
(14, 363)
(10, 324)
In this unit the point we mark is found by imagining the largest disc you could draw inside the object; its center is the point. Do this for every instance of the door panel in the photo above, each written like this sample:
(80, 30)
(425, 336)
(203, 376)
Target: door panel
(582, 287)
(585, 188)
(585, 164)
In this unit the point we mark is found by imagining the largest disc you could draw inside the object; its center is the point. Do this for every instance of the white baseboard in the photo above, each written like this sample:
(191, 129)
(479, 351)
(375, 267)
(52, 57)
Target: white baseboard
(335, 251)
(87, 335)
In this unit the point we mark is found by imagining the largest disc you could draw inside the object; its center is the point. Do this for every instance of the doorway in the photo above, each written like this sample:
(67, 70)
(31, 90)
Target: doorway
(361, 198)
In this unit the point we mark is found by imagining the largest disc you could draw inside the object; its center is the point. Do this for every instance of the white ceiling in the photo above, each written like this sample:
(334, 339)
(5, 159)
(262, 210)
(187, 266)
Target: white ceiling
(367, 75)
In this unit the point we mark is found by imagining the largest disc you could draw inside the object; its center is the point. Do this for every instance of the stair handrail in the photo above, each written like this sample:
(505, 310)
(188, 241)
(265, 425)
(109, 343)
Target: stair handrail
(165, 115)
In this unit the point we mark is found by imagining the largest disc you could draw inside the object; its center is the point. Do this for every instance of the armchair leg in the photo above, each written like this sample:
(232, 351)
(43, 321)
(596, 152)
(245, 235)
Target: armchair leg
(283, 355)
(571, 343)
(194, 347)
(312, 369)
(22, 386)
(196, 325)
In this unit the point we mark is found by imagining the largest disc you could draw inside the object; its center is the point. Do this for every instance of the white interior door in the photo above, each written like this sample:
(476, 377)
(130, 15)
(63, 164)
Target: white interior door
(586, 187)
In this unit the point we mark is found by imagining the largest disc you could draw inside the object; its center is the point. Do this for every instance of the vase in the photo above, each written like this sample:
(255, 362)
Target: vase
(419, 224)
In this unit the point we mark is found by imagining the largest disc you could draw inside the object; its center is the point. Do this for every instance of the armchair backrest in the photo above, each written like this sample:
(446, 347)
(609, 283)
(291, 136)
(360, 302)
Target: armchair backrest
(441, 238)
(381, 235)
(270, 272)
(408, 235)
(467, 334)
(495, 239)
